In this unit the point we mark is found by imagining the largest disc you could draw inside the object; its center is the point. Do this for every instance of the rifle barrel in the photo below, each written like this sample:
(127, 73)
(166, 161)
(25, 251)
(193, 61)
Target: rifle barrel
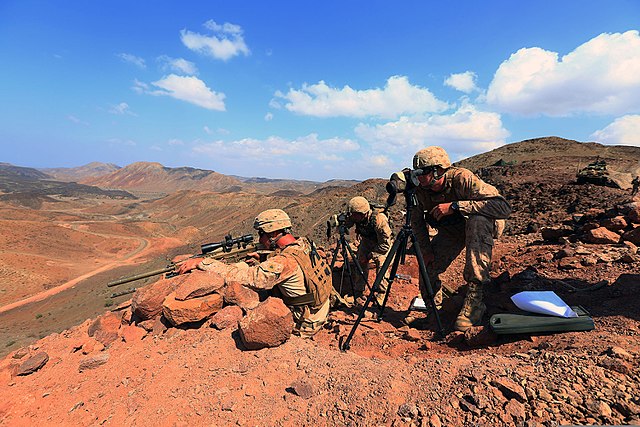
(141, 276)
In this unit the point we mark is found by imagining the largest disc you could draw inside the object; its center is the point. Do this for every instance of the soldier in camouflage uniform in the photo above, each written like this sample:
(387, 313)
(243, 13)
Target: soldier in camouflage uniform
(375, 238)
(467, 213)
(301, 276)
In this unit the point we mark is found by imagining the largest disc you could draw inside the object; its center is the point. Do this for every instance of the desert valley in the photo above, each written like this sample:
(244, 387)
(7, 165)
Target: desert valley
(66, 232)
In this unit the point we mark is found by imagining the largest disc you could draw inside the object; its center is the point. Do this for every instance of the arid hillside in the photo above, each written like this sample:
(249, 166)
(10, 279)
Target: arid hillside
(111, 368)
(77, 174)
(153, 177)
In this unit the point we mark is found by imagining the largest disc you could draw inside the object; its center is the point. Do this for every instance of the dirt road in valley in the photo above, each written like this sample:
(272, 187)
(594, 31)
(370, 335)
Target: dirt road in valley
(78, 299)
(127, 259)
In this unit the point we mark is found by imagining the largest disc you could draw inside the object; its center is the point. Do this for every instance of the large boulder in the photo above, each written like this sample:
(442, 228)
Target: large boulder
(240, 295)
(199, 283)
(228, 317)
(147, 302)
(268, 325)
(192, 310)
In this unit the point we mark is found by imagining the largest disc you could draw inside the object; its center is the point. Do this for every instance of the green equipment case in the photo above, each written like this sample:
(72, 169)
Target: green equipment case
(507, 323)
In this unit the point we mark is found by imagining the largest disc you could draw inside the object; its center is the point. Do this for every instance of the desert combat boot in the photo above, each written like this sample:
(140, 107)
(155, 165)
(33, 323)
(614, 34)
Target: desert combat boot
(472, 310)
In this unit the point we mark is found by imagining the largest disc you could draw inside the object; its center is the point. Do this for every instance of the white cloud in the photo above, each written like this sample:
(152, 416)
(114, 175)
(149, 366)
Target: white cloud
(207, 130)
(465, 132)
(226, 42)
(268, 117)
(274, 146)
(76, 120)
(189, 89)
(396, 98)
(132, 59)
(121, 108)
(600, 76)
(305, 157)
(623, 131)
(177, 65)
(464, 82)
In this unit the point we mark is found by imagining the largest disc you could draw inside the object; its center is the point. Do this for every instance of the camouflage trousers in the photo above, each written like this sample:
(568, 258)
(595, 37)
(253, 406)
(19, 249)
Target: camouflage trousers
(309, 321)
(365, 251)
(475, 235)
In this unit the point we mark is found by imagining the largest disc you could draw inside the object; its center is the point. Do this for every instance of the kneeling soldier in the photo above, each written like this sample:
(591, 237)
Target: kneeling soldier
(301, 276)
(375, 238)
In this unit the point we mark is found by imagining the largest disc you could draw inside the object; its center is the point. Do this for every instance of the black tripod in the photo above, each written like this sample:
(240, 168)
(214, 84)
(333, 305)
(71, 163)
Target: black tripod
(342, 246)
(397, 256)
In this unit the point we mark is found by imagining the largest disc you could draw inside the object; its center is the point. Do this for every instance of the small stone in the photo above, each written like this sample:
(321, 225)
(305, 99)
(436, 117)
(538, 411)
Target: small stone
(33, 363)
(93, 362)
(302, 389)
(619, 353)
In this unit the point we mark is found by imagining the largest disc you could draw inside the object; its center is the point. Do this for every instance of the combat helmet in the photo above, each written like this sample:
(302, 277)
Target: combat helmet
(358, 204)
(272, 220)
(430, 157)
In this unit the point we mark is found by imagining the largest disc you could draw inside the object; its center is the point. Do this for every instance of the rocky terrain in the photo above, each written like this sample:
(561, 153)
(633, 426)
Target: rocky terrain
(182, 351)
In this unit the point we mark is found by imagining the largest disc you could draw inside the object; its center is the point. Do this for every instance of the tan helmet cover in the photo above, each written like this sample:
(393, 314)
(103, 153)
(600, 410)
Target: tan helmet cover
(358, 204)
(431, 156)
(272, 220)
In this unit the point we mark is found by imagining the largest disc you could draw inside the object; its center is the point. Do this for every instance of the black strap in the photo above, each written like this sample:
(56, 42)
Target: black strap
(306, 299)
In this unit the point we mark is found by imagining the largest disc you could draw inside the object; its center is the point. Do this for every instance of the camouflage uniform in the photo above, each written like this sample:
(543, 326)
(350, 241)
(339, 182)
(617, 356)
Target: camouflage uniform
(280, 270)
(481, 218)
(375, 243)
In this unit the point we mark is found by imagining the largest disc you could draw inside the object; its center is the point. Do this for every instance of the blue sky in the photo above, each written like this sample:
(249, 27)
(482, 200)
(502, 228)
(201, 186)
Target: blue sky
(310, 90)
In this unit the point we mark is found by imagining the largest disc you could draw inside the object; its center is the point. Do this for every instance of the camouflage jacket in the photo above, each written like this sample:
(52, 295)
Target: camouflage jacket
(281, 269)
(375, 229)
(474, 197)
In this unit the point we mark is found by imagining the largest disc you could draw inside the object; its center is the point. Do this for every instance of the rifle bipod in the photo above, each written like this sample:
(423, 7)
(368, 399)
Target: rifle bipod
(397, 256)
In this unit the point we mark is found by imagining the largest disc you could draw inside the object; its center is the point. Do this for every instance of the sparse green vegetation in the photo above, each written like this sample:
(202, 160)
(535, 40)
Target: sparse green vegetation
(108, 303)
(10, 343)
(39, 315)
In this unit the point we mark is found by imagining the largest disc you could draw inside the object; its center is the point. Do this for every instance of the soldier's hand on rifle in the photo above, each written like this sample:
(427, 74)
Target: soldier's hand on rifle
(253, 258)
(189, 265)
(441, 210)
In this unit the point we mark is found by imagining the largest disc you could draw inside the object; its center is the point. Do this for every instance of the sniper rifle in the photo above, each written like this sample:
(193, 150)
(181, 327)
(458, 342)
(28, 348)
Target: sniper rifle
(230, 249)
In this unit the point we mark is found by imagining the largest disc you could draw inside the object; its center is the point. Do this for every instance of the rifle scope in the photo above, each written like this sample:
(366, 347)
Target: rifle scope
(228, 243)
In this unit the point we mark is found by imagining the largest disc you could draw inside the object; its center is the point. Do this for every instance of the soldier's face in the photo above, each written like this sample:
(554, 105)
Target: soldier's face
(427, 182)
(357, 216)
(264, 239)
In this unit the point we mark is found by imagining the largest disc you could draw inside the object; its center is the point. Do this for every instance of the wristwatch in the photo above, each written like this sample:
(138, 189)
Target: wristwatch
(455, 206)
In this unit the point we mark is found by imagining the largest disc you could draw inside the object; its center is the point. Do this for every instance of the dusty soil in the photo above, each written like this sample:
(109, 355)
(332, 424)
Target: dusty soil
(202, 376)
(392, 375)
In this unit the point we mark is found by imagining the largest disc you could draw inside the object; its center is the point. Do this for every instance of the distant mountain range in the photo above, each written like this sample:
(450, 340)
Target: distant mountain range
(30, 188)
(154, 177)
(80, 173)
(98, 179)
